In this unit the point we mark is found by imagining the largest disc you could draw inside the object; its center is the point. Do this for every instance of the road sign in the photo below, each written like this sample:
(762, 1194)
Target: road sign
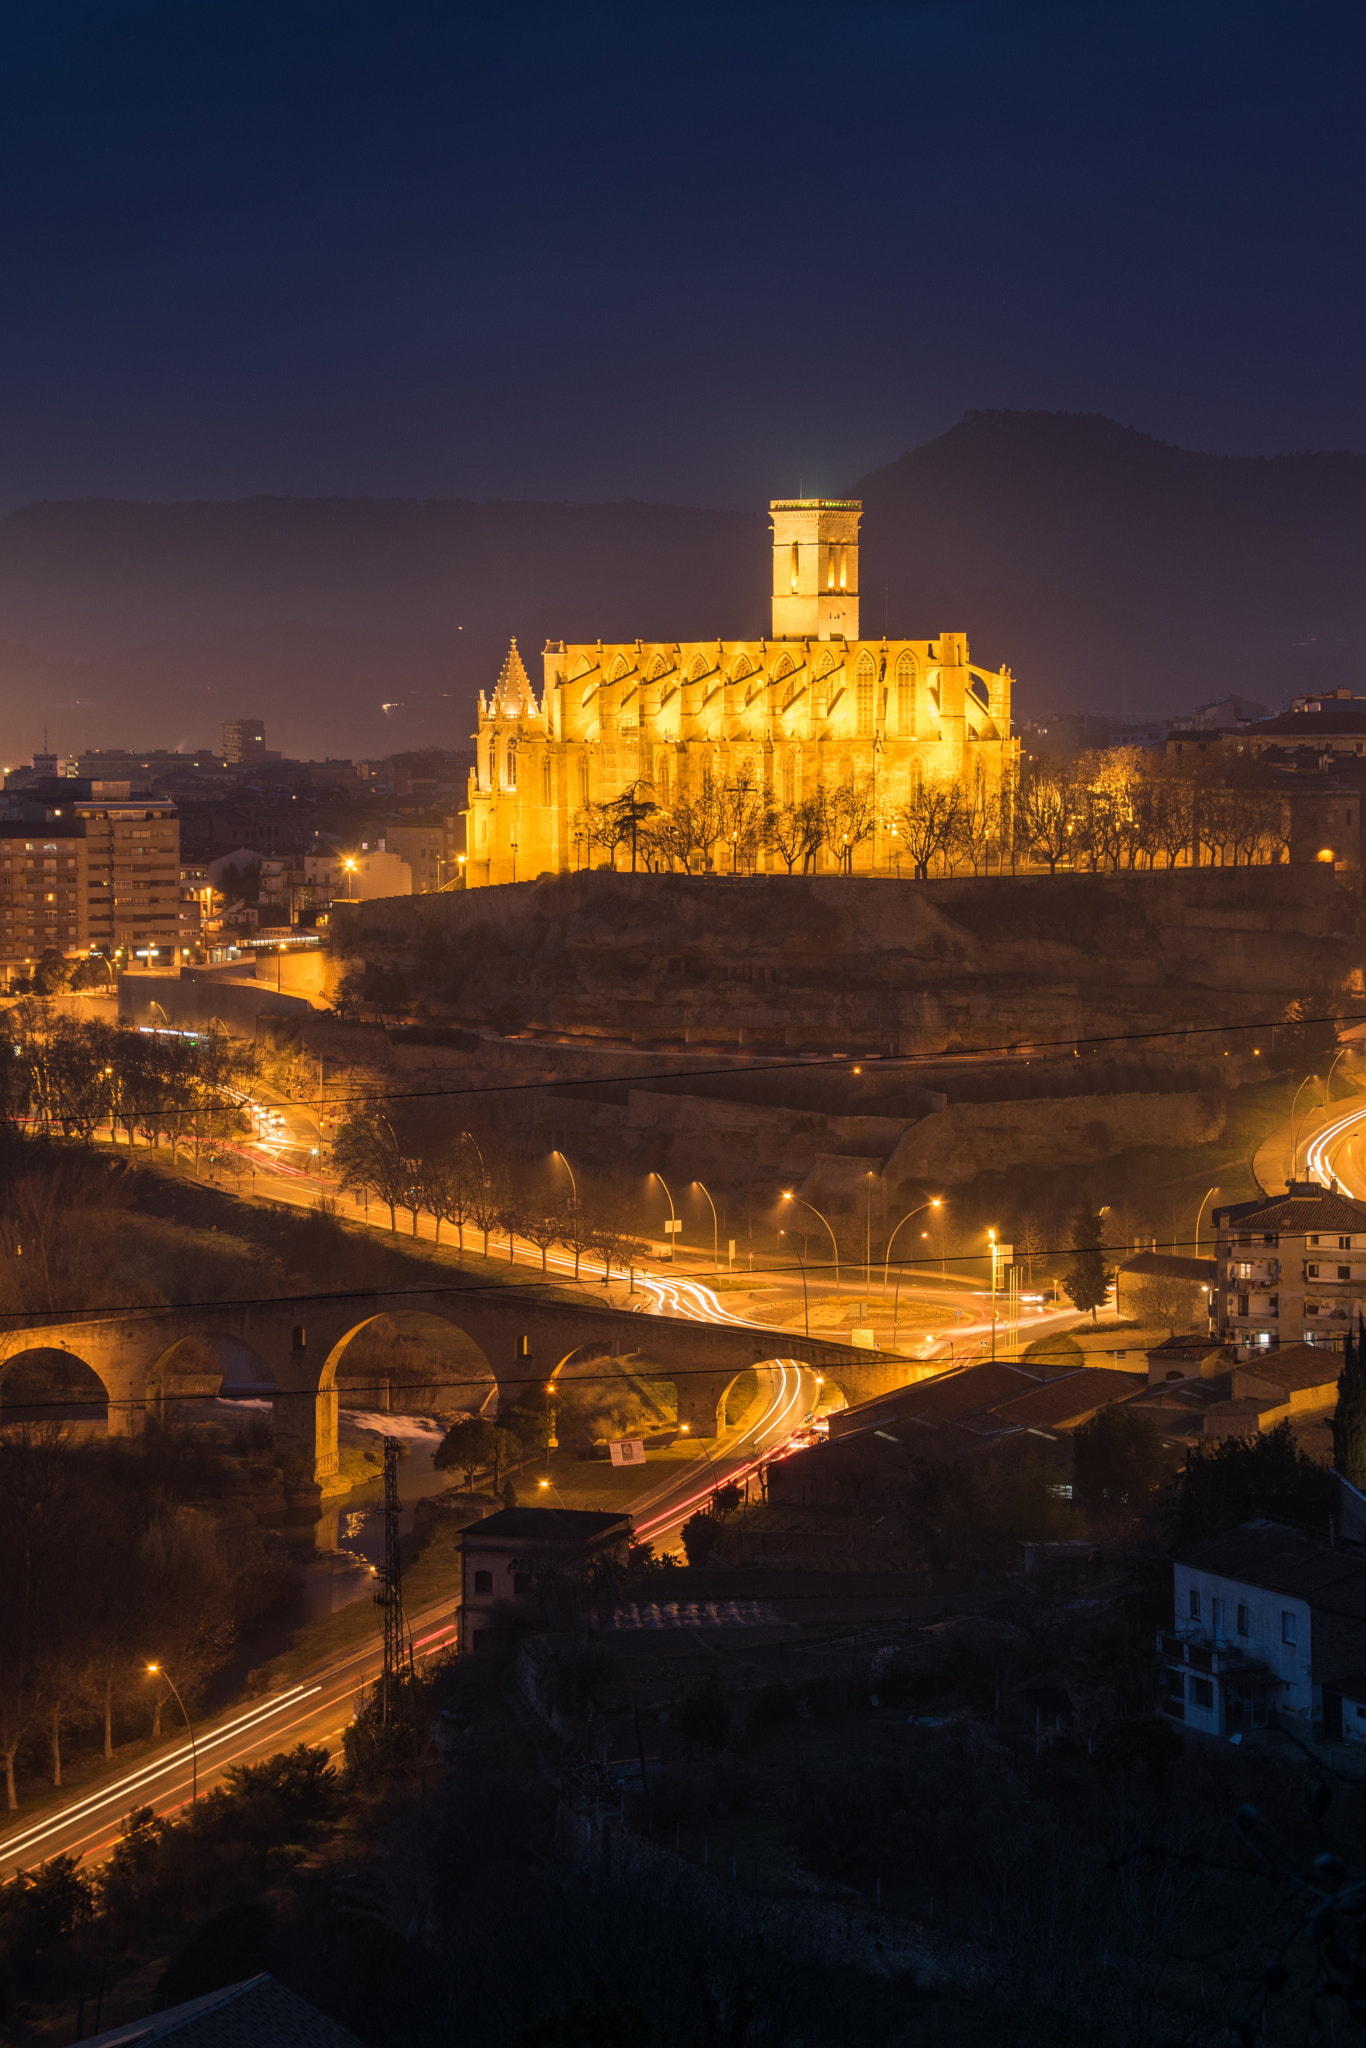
(629, 1450)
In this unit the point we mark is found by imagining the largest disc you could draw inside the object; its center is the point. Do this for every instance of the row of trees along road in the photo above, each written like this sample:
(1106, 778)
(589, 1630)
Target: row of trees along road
(104, 1574)
(1105, 811)
(397, 1153)
(72, 1076)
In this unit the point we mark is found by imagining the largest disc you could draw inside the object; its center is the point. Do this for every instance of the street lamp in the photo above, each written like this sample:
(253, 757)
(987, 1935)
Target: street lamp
(545, 1486)
(1294, 1144)
(936, 1202)
(673, 1217)
(715, 1231)
(802, 1203)
(992, 1235)
(557, 1154)
(350, 867)
(1198, 1214)
(159, 1671)
(896, 1296)
(1341, 1053)
(806, 1306)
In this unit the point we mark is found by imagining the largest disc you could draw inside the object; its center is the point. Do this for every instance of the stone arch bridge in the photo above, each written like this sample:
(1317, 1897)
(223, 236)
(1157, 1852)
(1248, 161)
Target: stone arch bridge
(513, 1338)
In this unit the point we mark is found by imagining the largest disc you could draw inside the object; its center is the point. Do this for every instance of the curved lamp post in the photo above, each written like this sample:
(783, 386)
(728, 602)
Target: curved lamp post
(573, 1184)
(802, 1203)
(806, 1306)
(937, 1202)
(896, 1299)
(673, 1215)
(160, 1671)
(1198, 1214)
(1341, 1053)
(715, 1230)
(1294, 1141)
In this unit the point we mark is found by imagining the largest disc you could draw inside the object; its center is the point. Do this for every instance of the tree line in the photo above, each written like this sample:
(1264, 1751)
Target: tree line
(104, 1575)
(72, 1076)
(1122, 808)
(397, 1154)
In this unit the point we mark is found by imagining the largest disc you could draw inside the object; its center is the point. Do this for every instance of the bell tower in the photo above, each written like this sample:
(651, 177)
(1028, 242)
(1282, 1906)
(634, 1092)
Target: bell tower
(815, 568)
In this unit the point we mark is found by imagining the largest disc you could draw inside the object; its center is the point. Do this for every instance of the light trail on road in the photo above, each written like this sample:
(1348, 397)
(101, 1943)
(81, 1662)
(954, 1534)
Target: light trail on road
(791, 1405)
(315, 1709)
(137, 1782)
(1326, 1150)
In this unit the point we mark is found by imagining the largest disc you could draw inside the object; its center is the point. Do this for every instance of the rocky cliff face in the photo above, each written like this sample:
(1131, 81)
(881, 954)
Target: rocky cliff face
(873, 965)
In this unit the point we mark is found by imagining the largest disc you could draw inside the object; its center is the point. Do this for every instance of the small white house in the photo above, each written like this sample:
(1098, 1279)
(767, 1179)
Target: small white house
(1269, 1625)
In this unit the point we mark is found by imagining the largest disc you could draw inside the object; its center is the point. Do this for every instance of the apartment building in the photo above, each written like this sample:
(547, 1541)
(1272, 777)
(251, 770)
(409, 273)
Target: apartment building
(427, 849)
(1268, 1624)
(43, 893)
(133, 873)
(1291, 1268)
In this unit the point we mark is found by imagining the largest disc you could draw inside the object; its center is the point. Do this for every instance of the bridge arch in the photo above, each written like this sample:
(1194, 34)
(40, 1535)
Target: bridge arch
(50, 1383)
(410, 1358)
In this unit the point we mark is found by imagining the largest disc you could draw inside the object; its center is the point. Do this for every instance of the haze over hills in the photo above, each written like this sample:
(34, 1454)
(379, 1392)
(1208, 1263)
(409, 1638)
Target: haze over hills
(1110, 570)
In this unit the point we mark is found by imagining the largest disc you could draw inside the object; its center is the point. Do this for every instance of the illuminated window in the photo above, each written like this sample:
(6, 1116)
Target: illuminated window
(545, 780)
(844, 568)
(796, 557)
(905, 695)
(831, 559)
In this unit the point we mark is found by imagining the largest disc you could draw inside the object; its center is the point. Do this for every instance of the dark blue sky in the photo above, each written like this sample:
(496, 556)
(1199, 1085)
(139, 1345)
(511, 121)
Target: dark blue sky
(685, 253)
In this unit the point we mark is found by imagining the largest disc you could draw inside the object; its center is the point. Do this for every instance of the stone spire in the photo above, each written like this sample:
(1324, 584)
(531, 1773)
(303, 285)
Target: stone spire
(513, 696)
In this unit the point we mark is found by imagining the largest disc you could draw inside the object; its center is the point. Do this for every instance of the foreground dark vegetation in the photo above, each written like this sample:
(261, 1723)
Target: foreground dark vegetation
(871, 1845)
(857, 1831)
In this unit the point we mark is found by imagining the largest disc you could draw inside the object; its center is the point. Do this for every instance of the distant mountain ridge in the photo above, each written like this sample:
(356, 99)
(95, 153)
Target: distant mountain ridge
(1107, 568)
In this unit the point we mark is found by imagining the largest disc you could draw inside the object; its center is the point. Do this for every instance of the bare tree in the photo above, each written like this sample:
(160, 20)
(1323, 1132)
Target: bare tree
(927, 821)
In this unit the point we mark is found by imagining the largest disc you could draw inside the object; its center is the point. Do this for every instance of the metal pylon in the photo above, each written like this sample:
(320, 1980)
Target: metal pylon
(389, 1593)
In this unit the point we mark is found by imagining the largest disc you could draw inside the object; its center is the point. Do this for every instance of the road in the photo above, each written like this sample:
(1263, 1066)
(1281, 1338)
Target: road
(789, 1394)
(315, 1710)
(1325, 1143)
(282, 1157)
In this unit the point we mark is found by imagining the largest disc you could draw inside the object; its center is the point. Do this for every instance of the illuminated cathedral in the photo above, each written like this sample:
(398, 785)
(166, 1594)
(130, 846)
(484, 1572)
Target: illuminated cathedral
(810, 706)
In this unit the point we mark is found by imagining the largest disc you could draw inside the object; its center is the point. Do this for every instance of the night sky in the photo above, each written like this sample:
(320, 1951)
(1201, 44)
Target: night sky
(686, 253)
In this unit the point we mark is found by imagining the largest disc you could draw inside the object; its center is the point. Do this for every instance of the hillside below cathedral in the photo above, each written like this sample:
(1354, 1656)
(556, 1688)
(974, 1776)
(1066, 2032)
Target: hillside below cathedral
(854, 964)
(737, 1030)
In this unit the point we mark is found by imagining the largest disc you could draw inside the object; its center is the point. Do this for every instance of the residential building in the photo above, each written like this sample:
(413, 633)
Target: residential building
(539, 1563)
(1216, 1397)
(258, 2012)
(1292, 1267)
(374, 872)
(1269, 1624)
(244, 741)
(811, 707)
(43, 890)
(1332, 722)
(428, 848)
(1000, 1408)
(133, 871)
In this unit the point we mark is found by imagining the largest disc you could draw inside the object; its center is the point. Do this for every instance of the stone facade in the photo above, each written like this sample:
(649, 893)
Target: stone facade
(798, 712)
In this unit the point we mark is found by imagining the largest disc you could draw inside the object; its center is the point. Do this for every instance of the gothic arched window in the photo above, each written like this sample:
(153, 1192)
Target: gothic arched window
(865, 684)
(905, 694)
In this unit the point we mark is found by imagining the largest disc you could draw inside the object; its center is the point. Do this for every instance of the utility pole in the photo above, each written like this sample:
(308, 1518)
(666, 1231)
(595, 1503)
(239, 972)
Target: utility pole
(388, 1594)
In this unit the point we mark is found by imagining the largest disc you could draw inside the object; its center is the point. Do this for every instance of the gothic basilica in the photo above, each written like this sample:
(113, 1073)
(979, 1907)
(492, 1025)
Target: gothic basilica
(810, 706)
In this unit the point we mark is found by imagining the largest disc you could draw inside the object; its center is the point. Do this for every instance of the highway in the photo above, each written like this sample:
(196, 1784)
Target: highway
(283, 1156)
(789, 1393)
(1338, 1151)
(315, 1710)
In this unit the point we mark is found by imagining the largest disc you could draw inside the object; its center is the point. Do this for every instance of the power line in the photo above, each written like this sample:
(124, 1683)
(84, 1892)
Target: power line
(150, 1310)
(810, 1063)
